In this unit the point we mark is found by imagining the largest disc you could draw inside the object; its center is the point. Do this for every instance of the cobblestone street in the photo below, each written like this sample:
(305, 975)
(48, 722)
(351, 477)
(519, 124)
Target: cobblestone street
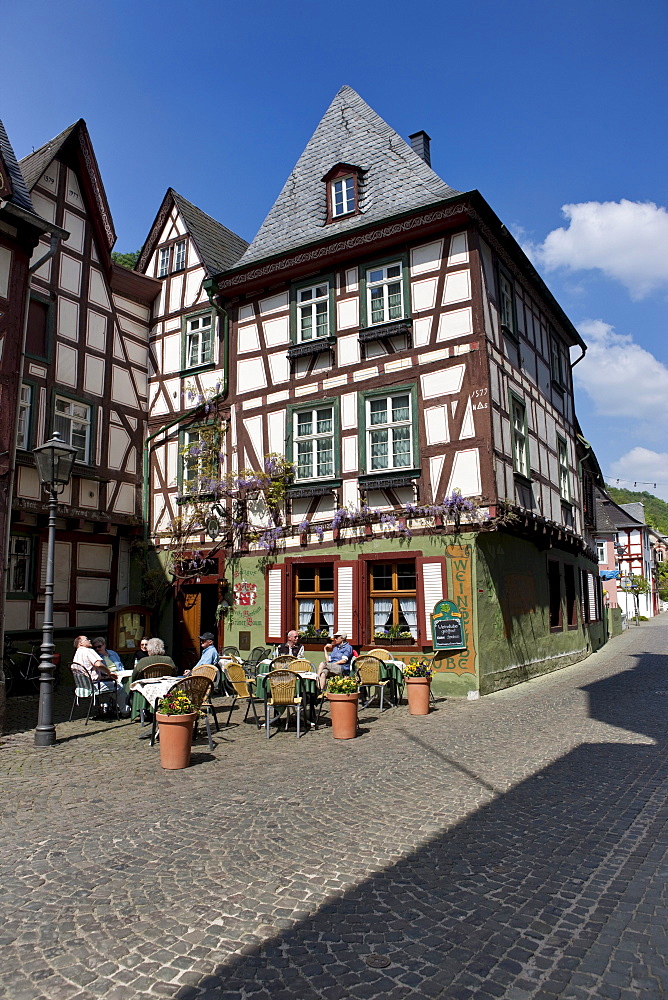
(514, 847)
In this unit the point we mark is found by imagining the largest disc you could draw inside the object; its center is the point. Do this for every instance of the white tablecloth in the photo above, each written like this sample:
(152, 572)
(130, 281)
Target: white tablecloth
(154, 688)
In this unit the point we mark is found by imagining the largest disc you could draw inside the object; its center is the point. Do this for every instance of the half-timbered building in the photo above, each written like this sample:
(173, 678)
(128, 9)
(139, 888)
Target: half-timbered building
(83, 375)
(20, 230)
(188, 379)
(390, 338)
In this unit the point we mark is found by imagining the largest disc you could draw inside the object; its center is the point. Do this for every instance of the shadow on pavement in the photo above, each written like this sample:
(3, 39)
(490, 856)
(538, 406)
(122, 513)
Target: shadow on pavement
(553, 889)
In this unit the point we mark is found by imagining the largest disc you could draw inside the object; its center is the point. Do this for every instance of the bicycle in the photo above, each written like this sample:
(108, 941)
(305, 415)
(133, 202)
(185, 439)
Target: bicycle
(20, 666)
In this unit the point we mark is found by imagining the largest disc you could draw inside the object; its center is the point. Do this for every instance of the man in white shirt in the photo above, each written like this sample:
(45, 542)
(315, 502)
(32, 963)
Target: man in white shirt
(85, 656)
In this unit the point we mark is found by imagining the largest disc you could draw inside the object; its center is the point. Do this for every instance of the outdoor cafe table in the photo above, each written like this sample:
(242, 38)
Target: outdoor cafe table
(153, 688)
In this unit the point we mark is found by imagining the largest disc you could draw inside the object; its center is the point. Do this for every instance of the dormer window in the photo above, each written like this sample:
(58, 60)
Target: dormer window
(343, 191)
(343, 196)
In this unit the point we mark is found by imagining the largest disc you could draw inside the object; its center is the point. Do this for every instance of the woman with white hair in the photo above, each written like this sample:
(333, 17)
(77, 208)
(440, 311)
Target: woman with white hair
(155, 653)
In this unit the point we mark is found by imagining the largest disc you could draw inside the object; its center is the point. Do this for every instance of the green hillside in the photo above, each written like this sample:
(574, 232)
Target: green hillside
(656, 510)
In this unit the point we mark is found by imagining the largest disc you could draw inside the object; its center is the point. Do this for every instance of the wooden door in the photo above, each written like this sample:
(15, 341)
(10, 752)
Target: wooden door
(190, 625)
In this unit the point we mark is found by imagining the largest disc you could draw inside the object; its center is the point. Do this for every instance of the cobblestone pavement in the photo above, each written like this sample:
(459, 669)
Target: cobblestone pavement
(513, 847)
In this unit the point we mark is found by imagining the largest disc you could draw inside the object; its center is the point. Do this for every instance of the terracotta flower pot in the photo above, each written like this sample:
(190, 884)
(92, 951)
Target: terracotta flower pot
(418, 689)
(176, 737)
(343, 711)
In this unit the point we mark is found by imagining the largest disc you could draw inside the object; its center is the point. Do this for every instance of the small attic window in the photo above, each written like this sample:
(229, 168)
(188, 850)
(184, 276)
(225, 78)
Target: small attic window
(343, 189)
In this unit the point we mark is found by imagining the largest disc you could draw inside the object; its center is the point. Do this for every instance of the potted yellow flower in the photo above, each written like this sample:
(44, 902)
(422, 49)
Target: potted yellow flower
(176, 718)
(343, 694)
(417, 675)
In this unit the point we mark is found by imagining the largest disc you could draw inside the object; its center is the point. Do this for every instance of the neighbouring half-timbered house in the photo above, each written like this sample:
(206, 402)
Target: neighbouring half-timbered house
(83, 375)
(20, 231)
(391, 340)
(188, 387)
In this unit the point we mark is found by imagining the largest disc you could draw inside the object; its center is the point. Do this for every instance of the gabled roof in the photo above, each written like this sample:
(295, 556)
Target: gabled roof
(34, 164)
(610, 516)
(217, 245)
(395, 179)
(19, 195)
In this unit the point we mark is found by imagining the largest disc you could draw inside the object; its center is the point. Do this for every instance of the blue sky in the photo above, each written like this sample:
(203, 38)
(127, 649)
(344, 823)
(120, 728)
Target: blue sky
(536, 105)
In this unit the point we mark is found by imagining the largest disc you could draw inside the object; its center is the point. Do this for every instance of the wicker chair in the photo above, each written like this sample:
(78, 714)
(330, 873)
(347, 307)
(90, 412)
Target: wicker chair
(368, 670)
(197, 687)
(281, 689)
(211, 671)
(283, 662)
(301, 666)
(242, 688)
(380, 654)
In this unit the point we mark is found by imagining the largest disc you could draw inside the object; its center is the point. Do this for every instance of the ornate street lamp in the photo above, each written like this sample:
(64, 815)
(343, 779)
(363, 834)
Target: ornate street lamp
(54, 461)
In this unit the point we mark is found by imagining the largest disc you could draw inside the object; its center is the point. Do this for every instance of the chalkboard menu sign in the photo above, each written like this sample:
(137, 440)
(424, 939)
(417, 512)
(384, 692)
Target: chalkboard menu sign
(447, 627)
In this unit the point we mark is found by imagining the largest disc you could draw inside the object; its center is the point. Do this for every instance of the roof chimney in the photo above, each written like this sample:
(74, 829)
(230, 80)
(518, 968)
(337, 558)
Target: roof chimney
(420, 143)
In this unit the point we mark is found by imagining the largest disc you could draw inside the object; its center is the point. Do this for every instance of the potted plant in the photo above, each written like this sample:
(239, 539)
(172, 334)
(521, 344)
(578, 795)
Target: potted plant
(176, 718)
(417, 675)
(396, 634)
(343, 695)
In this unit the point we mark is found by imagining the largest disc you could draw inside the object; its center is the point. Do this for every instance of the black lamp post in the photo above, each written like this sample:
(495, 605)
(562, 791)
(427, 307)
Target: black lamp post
(54, 461)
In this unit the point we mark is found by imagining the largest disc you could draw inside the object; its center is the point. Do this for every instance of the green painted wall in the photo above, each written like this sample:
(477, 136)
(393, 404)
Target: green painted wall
(513, 615)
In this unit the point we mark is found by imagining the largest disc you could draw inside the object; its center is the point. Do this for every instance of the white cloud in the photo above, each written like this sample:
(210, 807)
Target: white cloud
(626, 240)
(621, 377)
(640, 469)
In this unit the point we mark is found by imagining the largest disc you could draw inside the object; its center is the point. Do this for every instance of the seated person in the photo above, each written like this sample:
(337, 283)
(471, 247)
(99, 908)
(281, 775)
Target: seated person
(209, 652)
(339, 655)
(141, 651)
(155, 653)
(292, 646)
(85, 656)
(112, 662)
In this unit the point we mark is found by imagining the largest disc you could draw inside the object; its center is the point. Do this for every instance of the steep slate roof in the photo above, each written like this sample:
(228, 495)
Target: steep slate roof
(34, 165)
(218, 246)
(610, 516)
(395, 179)
(20, 196)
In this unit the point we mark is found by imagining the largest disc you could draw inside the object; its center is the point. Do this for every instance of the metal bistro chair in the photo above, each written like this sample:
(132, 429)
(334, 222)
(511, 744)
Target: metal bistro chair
(197, 687)
(211, 671)
(255, 658)
(282, 693)
(231, 651)
(86, 687)
(242, 688)
(368, 669)
(150, 672)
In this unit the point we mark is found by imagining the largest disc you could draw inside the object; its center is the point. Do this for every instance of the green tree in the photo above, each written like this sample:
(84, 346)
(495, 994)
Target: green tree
(126, 259)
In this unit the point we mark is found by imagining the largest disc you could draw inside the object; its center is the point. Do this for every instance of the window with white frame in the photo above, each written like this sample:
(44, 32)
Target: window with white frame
(72, 420)
(199, 341)
(179, 256)
(313, 312)
(195, 458)
(163, 262)
(601, 554)
(343, 196)
(25, 404)
(385, 293)
(564, 471)
(506, 303)
(389, 429)
(19, 564)
(520, 438)
(314, 443)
